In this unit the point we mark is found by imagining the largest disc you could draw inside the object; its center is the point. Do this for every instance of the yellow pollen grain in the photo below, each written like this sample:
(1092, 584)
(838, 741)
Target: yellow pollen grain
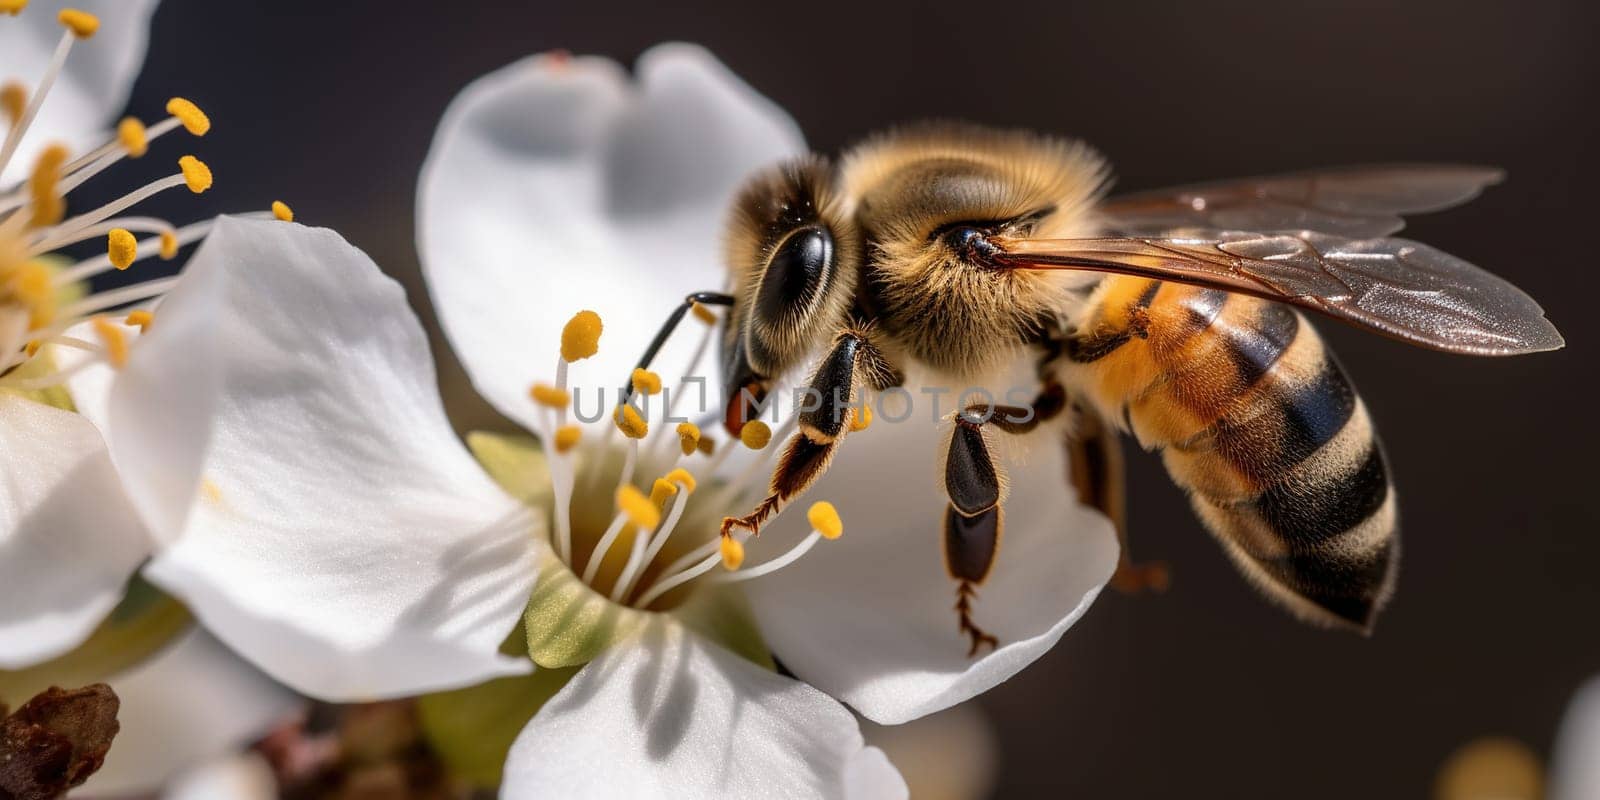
(755, 434)
(581, 336)
(732, 552)
(81, 23)
(861, 419)
(169, 246)
(646, 382)
(706, 446)
(133, 138)
(567, 437)
(114, 339)
(32, 348)
(141, 318)
(638, 508)
(688, 437)
(121, 247)
(661, 490)
(13, 99)
(703, 314)
(546, 395)
(194, 120)
(630, 423)
(12, 7)
(195, 173)
(824, 519)
(282, 211)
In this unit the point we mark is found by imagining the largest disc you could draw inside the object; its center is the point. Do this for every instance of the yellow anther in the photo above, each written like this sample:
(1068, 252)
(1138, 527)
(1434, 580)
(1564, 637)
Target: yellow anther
(638, 508)
(13, 99)
(12, 7)
(131, 135)
(282, 211)
(732, 552)
(688, 437)
(703, 314)
(567, 437)
(861, 419)
(706, 445)
(114, 339)
(169, 246)
(121, 247)
(682, 477)
(32, 285)
(195, 173)
(755, 434)
(646, 382)
(194, 120)
(48, 210)
(32, 348)
(141, 318)
(824, 519)
(48, 207)
(581, 337)
(546, 395)
(81, 23)
(629, 422)
(661, 490)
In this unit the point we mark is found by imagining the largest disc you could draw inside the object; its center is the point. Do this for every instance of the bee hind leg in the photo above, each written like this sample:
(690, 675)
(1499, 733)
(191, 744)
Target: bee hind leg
(1095, 459)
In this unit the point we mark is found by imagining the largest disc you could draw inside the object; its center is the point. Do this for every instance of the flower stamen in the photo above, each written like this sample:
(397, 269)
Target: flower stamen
(25, 119)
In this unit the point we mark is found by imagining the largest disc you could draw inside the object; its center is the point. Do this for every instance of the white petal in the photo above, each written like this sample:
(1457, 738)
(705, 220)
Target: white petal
(868, 618)
(672, 715)
(68, 537)
(157, 411)
(94, 85)
(556, 185)
(1575, 766)
(343, 538)
(241, 776)
(192, 702)
(951, 755)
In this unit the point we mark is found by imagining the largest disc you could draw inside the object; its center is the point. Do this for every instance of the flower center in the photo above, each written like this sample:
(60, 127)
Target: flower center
(647, 545)
(43, 294)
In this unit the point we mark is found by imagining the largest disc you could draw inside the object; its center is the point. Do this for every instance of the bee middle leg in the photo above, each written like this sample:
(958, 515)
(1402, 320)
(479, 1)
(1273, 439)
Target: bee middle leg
(974, 521)
(853, 361)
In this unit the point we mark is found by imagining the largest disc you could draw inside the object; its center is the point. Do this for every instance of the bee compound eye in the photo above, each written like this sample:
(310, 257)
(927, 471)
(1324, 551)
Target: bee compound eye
(796, 273)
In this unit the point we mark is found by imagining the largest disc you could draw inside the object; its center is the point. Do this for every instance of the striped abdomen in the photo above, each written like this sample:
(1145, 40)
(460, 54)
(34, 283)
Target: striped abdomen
(1258, 422)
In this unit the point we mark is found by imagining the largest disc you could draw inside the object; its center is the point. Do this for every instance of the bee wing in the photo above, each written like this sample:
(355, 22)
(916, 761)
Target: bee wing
(1349, 201)
(1400, 288)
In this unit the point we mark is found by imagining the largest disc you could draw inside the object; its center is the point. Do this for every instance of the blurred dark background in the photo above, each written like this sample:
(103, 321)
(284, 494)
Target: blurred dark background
(1207, 690)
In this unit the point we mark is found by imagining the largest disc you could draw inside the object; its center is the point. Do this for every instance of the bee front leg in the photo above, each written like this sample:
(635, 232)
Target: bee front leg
(974, 522)
(852, 361)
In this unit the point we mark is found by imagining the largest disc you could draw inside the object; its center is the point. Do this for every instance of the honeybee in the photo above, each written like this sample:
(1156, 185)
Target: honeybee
(1168, 315)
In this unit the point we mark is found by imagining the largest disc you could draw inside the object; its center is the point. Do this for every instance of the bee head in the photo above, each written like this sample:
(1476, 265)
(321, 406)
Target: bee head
(929, 199)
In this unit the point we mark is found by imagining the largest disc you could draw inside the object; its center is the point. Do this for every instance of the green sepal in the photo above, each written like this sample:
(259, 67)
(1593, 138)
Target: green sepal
(516, 463)
(472, 729)
(145, 621)
(568, 623)
(41, 365)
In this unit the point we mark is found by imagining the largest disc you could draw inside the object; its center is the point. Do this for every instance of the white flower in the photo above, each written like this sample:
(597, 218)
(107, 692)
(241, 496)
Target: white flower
(359, 549)
(1575, 766)
(556, 184)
